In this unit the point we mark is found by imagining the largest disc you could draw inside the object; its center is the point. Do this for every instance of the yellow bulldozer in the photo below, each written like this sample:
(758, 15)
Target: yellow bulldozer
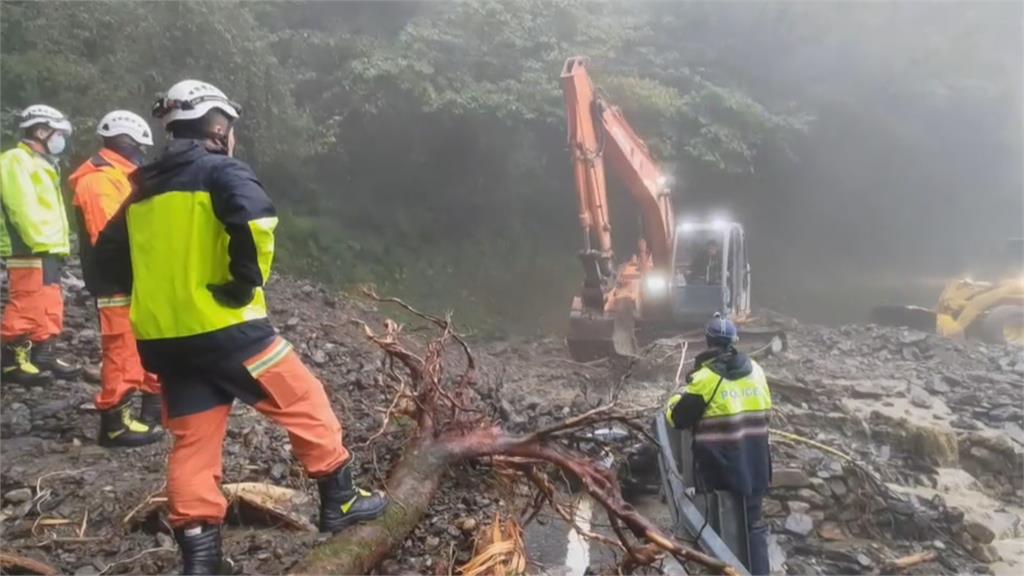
(992, 312)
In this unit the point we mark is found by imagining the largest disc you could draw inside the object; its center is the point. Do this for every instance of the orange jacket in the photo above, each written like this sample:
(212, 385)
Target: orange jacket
(101, 185)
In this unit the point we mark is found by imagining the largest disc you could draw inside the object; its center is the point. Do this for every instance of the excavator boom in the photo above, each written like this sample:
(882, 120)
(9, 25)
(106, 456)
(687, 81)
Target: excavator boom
(603, 316)
(597, 132)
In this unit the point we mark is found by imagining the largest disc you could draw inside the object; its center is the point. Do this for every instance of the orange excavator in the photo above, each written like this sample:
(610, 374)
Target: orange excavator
(683, 271)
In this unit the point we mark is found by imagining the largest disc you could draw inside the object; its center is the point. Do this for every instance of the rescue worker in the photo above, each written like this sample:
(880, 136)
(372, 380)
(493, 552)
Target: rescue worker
(196, 240)
(100, 187)
(728, 405)
(34, 242)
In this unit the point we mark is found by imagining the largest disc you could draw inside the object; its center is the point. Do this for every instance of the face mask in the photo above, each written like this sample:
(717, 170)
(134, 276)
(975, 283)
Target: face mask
(56, 143)
(135, 153)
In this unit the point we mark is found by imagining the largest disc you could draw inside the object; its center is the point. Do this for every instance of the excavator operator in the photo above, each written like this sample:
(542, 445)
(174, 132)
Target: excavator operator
(728, 405)
(707, 265)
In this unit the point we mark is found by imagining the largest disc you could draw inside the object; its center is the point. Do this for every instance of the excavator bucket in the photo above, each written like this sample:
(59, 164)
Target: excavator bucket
(593, 336)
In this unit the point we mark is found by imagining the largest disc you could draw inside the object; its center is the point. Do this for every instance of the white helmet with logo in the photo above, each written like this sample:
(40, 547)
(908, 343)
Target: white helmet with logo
(43, 114)
(128, 123)
(191, 99)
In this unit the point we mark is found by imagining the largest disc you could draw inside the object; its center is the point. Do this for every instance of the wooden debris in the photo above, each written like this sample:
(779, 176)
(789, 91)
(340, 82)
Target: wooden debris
(499, 551)
(252, 503)
(909, 561)
(256, 502)
(152, 504)
(13, 564)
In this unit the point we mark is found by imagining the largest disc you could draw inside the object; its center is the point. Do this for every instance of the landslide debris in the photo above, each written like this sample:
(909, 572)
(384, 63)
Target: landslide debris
(936, 425)
(930, 450)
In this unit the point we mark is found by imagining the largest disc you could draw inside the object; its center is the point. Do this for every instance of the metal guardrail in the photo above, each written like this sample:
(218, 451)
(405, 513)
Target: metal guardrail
(686, 518)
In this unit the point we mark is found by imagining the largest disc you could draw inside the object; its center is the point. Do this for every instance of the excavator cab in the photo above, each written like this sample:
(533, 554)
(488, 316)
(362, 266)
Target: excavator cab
(711, 272)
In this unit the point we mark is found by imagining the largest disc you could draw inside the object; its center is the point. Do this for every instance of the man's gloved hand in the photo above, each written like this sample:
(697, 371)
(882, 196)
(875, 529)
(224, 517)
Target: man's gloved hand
(232, 294)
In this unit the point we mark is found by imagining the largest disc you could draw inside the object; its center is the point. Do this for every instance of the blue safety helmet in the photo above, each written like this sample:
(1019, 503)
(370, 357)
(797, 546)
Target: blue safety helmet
(720, 332)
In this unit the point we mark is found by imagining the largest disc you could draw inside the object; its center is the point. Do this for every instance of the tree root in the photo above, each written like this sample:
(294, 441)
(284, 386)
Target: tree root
(452, 429)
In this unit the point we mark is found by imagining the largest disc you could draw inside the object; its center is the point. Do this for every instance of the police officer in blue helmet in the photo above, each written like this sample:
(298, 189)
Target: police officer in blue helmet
(727, 404)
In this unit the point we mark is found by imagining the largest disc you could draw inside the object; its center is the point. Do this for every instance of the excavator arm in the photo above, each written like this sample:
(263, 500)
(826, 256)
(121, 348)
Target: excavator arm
(598, 131)
(603, 315)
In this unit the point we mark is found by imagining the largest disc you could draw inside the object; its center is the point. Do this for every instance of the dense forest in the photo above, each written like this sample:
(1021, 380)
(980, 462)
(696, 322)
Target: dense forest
(421, 145)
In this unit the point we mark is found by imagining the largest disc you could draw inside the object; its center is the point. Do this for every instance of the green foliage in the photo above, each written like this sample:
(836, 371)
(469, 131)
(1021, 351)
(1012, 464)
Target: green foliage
(421, 145)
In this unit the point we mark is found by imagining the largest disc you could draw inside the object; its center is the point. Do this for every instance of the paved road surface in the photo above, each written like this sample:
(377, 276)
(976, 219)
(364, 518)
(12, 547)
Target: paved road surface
(557, 550)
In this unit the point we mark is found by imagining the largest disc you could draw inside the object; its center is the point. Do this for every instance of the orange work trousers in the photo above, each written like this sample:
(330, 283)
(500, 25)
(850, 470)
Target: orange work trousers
(293, 398)
(35, 308)
(122, 372)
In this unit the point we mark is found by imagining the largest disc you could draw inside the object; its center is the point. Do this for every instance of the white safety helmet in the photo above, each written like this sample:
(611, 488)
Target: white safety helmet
(128, 123)
(43, 114)
(191, 99)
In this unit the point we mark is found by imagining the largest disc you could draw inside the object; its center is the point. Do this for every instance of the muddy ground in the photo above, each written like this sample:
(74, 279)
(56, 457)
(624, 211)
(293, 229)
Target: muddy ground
(934, 425)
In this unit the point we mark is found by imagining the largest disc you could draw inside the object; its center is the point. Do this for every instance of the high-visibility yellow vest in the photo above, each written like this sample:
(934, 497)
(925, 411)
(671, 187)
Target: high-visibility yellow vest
(178, 248)
(34, 218)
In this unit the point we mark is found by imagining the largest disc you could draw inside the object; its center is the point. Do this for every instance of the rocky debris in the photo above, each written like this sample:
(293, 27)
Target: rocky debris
(16, 420)
(937, 419)
(995, 458)
(49, 435)
(910, 406)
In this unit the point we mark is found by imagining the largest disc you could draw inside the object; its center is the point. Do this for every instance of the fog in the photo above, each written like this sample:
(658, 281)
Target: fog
(872, 150)
(910, 173)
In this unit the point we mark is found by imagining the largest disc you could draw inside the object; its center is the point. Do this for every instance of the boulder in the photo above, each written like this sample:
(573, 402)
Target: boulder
(790, 478)
(830, 530)
(980, 532)
(985, 553)
(771, 507)
(798, 506)
(776, 555)
(811, 497)
(838, 487)
(920, 397)
(799, 524)
(931, 444)
(18, 495)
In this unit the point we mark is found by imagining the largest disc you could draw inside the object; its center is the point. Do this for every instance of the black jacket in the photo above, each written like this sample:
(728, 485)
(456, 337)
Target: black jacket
(237, 197)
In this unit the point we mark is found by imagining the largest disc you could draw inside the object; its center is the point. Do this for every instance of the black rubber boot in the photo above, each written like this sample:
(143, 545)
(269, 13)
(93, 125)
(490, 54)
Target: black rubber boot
(342, 504)
(18, 367)
(119, 429)
(150, 410)
(201, 550)
(44, 355)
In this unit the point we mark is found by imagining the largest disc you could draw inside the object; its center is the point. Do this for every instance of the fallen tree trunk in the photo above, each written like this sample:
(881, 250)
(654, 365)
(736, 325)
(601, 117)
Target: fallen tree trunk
(417, 475)
(411, 487)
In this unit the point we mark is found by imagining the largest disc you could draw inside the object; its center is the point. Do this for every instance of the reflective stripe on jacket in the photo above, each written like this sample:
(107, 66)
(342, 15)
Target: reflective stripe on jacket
(100, 186)
(34, 219)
